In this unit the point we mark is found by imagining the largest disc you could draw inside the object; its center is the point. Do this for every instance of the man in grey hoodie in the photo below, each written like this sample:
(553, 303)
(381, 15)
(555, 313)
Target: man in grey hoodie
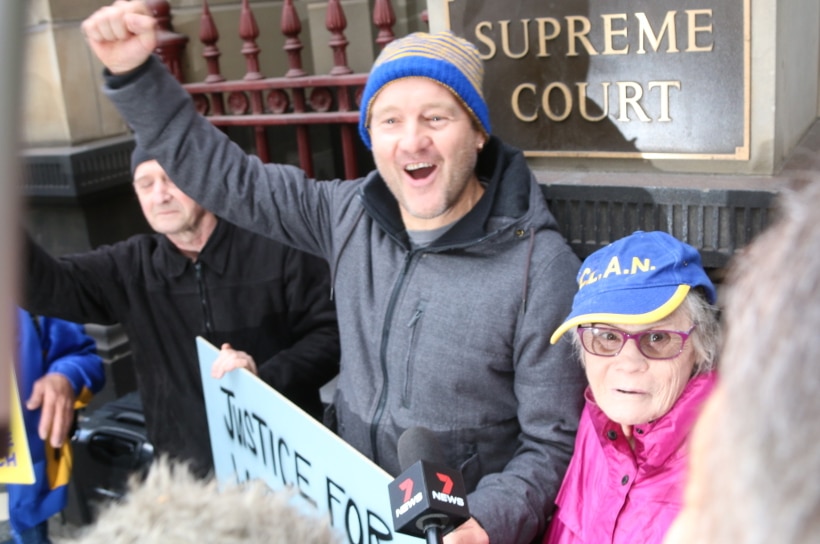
(448, 270)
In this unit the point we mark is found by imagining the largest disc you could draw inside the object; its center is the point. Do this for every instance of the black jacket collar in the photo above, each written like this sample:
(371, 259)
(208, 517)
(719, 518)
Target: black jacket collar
(214, 254)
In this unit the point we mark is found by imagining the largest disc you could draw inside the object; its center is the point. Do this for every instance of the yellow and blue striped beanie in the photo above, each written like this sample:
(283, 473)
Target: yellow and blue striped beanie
(443, 57)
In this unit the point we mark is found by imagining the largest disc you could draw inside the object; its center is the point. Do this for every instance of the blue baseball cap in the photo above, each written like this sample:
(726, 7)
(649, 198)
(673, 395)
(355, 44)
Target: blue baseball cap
(638, 279)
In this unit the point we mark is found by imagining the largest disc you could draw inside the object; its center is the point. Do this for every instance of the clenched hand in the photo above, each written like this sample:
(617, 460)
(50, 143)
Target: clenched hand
(122, 35)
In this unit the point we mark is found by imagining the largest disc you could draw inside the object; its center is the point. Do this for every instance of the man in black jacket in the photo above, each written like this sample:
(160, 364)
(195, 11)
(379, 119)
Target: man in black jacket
(266, 305)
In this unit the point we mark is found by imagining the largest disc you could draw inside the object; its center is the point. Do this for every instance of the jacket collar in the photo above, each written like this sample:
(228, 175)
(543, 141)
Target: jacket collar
(656, 441)
(214, 254)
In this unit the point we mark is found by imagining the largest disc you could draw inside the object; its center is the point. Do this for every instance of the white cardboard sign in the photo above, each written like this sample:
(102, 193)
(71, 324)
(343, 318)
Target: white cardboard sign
(256, 433)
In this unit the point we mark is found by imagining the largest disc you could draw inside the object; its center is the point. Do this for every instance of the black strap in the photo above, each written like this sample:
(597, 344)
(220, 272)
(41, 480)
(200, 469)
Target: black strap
(39, 327)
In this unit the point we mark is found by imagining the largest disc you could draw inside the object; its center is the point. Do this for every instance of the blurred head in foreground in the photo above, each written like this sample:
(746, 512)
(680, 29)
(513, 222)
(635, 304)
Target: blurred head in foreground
(756, 448)
(172, 506)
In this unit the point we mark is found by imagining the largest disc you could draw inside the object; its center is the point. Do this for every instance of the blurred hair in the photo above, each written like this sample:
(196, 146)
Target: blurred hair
(173, 506)
(754, 476)
(706, 338)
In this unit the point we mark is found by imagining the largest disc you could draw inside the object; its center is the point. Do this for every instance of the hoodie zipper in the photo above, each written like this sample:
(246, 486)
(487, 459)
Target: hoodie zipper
(408, 364)
(377, 416)
(386, 329)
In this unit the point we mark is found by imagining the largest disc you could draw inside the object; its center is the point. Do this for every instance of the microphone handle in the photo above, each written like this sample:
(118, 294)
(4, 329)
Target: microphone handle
(433, 534)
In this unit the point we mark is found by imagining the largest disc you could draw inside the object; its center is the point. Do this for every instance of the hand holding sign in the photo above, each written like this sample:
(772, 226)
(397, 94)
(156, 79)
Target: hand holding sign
(258, 433)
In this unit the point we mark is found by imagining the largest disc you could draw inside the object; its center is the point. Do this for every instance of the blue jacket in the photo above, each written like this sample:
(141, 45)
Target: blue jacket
(62, 347)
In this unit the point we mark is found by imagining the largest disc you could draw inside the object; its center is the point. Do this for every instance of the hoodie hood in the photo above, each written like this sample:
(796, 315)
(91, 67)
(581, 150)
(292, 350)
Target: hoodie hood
(511, 196)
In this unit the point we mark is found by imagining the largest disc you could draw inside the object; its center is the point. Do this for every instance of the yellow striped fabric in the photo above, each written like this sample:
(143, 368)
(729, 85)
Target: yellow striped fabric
(441, 46)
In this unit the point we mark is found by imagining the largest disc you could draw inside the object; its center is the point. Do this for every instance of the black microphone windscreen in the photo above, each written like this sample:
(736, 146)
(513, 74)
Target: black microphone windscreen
(419, 444)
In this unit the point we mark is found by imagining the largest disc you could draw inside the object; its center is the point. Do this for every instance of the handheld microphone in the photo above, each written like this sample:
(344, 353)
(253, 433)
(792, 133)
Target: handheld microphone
(428, 499)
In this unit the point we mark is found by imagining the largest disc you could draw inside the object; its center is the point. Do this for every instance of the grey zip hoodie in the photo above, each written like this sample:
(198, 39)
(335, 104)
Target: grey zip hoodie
(453, 337)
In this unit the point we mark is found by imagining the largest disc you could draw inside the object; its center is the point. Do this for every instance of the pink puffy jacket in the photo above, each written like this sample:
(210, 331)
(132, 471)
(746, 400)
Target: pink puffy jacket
(614, 495)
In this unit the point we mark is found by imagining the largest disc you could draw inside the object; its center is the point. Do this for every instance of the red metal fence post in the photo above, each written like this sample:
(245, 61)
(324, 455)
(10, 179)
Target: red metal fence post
(209, 35)
(384, 18)
(291, 27)
(336, 23)
(170, 44)
(249, 31)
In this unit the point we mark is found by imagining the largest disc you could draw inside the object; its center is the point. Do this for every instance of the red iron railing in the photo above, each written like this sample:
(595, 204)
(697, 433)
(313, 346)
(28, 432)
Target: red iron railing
(297, 99)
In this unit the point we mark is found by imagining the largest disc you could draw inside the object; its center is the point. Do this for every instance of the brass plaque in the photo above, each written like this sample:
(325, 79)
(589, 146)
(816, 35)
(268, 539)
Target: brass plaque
(623, 78)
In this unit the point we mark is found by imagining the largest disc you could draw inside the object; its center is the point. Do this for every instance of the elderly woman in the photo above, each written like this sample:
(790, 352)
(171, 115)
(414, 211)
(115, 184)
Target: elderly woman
(644, 323)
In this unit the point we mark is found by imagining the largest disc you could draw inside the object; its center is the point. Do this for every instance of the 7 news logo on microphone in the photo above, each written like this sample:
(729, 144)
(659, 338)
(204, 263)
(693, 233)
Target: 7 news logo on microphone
(428, 495)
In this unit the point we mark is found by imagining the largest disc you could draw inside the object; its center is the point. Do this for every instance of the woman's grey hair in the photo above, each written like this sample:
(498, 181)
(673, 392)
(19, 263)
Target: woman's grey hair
(706, 338)
(171, 505)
